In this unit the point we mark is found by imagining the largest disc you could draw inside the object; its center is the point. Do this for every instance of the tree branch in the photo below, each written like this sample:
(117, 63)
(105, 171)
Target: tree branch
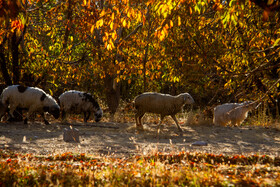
(134, 31)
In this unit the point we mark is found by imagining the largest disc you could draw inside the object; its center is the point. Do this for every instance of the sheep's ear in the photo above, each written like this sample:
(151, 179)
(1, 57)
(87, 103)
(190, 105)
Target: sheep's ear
(46, 109)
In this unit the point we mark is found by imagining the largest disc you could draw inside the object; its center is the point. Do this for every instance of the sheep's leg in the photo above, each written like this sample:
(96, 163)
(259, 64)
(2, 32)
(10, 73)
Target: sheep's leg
(235, 123)
(218, 122)
(31, 110)
(138, 117)
(63, 116)
(43, 115)
(11, 110)
(176, 121)
(86, 116)
(159, 125)
(26, 119)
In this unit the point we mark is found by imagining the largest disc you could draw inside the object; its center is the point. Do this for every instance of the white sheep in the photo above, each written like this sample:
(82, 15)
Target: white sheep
(32, 99)
(163, 104)
(234, 113)
(79, 102)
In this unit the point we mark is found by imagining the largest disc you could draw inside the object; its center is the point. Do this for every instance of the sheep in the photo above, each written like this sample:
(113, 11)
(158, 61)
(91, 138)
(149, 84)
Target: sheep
(32, 99)
(74, 101)
(163, 104)
(234, 113)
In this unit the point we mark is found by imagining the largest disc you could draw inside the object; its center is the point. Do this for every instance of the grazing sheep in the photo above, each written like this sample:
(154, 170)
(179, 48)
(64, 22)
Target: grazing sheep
(163, 104)
(32, 99)
(79, 102)
(234, 113)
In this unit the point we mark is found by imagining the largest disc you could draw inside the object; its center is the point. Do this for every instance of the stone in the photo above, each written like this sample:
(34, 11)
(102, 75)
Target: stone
(71, 135)
(199, 143)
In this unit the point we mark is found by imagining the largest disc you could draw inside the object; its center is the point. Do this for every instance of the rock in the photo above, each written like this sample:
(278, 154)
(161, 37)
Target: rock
(71, 135)
(199, 143)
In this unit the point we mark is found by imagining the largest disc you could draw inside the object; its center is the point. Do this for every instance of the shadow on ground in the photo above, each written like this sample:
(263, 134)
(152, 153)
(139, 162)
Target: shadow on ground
(122, 139)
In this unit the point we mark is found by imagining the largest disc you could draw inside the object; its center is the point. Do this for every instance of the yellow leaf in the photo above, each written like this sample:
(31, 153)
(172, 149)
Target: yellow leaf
(171, 23)
(161, 35)
(112, 43)
(113, 16)
(92, 29)
(99, 23)
(109, 47)
(124, 23)
(179, 21)
(114, 35)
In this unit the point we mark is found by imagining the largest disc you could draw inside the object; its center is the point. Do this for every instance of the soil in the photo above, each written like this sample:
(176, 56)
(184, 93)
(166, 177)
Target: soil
(122, 139)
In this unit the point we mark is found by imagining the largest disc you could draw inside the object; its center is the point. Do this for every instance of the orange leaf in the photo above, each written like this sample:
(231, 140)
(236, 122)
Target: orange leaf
(266, 15)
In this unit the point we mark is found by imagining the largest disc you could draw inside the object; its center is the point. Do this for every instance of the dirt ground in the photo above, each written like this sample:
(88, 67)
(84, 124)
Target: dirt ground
(121, 139)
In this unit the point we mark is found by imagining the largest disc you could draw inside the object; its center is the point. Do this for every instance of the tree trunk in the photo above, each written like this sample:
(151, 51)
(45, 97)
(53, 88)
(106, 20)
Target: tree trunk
(69, 22)
(4, 69)
(16, 73)
(112, 91)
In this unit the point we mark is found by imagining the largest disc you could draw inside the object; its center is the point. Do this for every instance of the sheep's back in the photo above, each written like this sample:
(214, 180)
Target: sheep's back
(224, 108)
(21, 99)
(72, 100)
(154, 103)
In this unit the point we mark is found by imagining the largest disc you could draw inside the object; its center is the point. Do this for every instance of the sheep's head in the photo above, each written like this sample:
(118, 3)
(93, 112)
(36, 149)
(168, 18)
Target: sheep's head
(98, 115)
(53, 110)
(187, 98)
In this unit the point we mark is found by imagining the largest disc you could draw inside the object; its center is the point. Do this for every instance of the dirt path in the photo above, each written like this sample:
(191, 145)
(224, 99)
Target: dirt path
(120, 139)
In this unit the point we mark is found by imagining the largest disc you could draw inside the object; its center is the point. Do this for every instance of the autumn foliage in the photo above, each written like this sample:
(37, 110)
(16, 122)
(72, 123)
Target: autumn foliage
(217, 50)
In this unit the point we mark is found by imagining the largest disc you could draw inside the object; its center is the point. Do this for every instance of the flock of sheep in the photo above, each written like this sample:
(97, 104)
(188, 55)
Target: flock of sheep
(35, 100)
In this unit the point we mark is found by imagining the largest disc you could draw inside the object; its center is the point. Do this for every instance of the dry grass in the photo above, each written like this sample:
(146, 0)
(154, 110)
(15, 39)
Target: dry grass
(198, 118)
